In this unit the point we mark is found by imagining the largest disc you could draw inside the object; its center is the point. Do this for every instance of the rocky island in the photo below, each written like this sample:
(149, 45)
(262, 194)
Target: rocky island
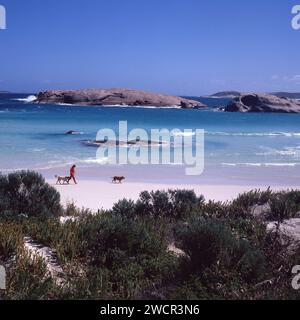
(261, 102)
(108, 97)
(226, 94)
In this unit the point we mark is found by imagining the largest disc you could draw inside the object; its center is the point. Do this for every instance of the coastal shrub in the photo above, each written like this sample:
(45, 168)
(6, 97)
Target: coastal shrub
(64, 238)
(208, 241)
(254, 230)
(249, 261)
(253, 197)
(241, 206)
(124, 253)
(184, 202)
(11, 239)
(284, 205)
(28, 279)
(172, 203)
(27, 193)
(118, 233)
(203, 241)
(130, 252)
(124, 208)
(71, 210)
(213, 209)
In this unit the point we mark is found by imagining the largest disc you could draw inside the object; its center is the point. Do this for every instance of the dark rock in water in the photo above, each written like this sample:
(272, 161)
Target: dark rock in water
(71, 132)
(137, 142)
(255, 102)
(116, 97)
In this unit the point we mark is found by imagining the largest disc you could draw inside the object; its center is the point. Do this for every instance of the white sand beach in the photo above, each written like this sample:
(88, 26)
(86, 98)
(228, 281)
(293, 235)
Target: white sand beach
(103, 194)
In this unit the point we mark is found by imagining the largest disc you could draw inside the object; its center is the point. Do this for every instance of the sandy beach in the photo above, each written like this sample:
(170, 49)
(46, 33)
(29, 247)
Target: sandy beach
(95, 189)
(103, 194)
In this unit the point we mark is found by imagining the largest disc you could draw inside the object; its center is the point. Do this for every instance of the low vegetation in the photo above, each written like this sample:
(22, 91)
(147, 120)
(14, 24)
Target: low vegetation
(166, 245)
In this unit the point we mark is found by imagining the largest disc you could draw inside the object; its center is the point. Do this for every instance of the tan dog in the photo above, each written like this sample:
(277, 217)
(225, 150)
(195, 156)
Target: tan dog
(63, 180)
(117, 179)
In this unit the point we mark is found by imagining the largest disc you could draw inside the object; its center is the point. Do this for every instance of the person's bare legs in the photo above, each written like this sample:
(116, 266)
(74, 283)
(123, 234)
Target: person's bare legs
(74, 179)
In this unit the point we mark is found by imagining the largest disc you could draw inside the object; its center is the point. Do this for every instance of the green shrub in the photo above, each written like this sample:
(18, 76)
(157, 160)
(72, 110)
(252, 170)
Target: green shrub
(118, 233)
(28, 279)
(208, 242)
(11, 239)
(124, 208)
(27, 193)
(203, 241)
(284, 205)
(177, 204)
(249, 261)
(253, 197)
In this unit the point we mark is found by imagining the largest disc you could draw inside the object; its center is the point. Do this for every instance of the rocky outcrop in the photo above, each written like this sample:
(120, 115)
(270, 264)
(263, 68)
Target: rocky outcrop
(290, 95)
(107, 97)
(288, 231)
(137, 142)
(255, 102)
(226, 94)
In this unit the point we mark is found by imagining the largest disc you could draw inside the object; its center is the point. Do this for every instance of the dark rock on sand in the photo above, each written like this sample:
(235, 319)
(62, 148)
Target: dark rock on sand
(255, 102)
(106, 97)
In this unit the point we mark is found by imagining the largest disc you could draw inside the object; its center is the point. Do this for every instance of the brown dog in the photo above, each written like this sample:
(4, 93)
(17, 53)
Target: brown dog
(117, 179)
(63, 180)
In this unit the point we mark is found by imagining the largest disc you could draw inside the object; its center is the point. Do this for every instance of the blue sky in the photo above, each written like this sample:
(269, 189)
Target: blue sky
(186, 47)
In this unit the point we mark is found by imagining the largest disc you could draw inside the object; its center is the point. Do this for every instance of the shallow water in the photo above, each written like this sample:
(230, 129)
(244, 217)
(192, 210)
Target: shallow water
(33, 136)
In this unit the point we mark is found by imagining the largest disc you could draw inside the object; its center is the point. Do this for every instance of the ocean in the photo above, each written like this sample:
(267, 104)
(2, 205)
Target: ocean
(32, 136)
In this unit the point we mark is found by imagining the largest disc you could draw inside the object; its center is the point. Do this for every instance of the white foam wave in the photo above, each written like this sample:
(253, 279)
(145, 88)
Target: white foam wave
(29, 99)
(36, 150)
(254, 134)
(95, 161)
(259, 164)
(64, 104)
(183, 134)
(288, 151)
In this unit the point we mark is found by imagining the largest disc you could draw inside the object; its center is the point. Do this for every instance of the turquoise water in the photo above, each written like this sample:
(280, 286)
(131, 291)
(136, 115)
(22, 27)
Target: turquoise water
(33, 136)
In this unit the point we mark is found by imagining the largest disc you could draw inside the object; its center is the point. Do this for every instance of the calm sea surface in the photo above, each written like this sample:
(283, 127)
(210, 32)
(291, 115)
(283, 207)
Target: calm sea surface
(33, 136)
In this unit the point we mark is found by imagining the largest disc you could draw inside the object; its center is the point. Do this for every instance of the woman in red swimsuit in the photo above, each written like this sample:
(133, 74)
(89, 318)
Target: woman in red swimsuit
(72, 173)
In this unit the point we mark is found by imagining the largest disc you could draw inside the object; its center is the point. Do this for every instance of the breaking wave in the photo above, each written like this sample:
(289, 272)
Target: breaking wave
(254, 134)
(259, 164)
(29, 99)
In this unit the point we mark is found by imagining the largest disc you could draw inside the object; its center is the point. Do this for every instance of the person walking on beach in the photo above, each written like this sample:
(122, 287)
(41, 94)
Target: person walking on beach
(72, 173)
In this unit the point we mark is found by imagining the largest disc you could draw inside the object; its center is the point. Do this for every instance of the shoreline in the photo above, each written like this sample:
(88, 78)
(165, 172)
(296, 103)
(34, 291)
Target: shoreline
(95, 189)
(96, 195)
